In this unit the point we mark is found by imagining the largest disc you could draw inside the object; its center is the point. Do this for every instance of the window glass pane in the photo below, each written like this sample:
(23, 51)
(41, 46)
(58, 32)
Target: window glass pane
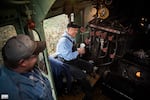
(5, 33)
(54, 28)
(41, 61)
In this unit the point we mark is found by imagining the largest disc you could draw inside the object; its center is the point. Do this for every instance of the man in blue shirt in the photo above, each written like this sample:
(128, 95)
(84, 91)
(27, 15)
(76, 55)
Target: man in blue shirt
(20, 79)
(67, 52)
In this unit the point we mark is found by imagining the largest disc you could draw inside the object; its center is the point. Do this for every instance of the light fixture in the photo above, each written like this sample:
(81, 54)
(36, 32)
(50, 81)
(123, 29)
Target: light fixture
(138, 74)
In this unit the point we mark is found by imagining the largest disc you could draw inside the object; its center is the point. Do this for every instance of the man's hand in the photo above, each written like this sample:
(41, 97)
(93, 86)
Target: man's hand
(81, 50)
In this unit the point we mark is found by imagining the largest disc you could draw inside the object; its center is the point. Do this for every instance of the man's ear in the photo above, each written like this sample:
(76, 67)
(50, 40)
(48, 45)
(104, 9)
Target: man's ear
(22, 62)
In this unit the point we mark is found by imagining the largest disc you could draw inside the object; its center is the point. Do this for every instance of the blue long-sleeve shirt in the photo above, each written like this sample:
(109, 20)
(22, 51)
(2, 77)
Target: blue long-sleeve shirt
(64, 48)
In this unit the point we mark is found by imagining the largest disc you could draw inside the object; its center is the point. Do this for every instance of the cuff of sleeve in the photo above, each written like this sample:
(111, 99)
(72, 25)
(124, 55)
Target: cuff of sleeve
(76, 53)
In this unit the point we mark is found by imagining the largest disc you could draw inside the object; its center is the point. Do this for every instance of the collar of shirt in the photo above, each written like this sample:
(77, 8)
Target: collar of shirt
(17, 78)
(66, 34)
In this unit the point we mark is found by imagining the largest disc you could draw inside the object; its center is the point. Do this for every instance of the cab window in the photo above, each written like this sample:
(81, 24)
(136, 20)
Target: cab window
(54, 28)
(41, 61)
(5, 33)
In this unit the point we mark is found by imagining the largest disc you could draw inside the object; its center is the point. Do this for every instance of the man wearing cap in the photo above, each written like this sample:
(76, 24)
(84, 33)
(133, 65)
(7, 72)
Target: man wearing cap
(68, 53)
(19, 78)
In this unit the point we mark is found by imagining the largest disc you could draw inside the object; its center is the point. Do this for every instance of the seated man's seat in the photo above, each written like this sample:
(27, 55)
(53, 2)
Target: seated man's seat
(62, 70)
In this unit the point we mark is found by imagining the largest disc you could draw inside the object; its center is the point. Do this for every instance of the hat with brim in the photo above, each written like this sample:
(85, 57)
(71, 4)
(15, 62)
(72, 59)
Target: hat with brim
(73, 25)
(21, 47)
(40, 46)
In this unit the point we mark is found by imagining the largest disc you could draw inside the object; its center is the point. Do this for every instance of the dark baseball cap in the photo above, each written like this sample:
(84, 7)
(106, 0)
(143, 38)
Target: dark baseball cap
(22, 46)
(73, 25)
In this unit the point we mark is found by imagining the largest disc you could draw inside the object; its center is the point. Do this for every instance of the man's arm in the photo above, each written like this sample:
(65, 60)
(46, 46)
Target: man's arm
(64, 49)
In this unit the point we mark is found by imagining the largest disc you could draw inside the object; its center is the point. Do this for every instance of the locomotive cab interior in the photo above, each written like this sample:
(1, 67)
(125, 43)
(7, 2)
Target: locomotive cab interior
(119, 33)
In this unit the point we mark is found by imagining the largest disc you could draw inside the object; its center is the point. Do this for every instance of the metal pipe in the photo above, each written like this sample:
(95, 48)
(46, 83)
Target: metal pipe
(117, 91)
(18, 2)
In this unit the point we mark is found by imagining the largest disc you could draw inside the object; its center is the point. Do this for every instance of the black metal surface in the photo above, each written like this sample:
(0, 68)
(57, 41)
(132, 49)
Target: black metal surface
(122, 79)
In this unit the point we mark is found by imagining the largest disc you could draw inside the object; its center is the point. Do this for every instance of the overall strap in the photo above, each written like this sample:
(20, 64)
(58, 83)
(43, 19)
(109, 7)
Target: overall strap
(74, 46)
(68, 39)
